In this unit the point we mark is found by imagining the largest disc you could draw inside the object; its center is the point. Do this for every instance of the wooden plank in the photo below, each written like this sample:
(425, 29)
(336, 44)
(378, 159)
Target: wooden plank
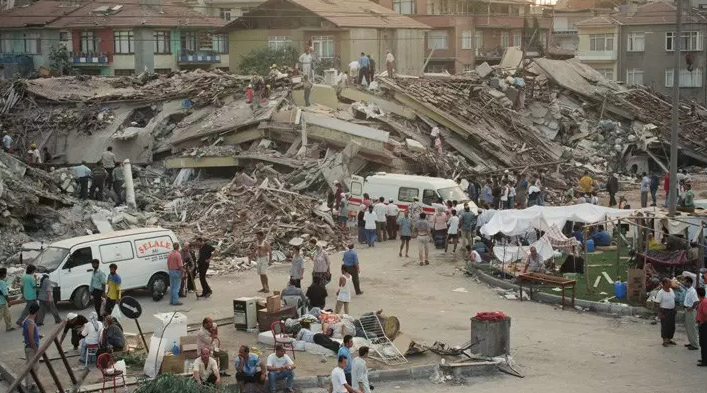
(596, 282)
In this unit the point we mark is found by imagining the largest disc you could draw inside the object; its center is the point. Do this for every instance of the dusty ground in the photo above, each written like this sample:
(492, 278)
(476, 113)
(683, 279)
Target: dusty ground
(556, 350)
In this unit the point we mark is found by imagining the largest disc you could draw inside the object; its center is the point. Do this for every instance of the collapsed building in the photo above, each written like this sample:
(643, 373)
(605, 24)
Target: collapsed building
(208, 163)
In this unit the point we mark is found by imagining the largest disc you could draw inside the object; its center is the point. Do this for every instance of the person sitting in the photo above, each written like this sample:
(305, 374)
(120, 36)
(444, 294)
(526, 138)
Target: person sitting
(74, 322)
(578, 233)
(280, 366)
(535, 263)
(687, 201)
(247, 365)
(653, 244)
(601, 237)
(305, 334)
(293, 290)
(316, 293)
(91, 333)
(207, 337)
(112, 336)
(205, 369)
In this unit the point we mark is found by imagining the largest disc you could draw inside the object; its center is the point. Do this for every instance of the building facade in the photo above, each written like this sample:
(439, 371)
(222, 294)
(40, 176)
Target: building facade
(466, 33)
(107, 38)
(567, 13)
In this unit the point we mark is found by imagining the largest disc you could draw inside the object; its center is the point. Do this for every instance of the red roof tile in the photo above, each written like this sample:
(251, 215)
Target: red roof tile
(658, 13)
(35, 14)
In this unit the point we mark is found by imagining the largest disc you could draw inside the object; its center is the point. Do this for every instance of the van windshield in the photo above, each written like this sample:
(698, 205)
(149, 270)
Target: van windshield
(50, 259)
(453, 194)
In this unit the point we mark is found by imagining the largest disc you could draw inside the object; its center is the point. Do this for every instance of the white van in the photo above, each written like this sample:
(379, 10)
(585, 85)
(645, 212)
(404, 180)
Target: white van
(141, 256)
(403, 188)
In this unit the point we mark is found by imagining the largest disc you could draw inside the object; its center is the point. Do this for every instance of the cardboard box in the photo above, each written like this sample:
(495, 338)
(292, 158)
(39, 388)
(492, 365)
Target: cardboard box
(172, 364)
(636, 285)
(274, 303)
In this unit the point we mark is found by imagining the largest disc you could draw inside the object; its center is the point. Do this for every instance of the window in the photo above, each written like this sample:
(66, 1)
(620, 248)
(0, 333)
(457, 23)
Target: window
(406, 194)
(224, 13)
(88, 42)
(31, 43)
(691, 41)
(429, 197)
(436, 68)
(466, 40)
(405, 7)
(431, 9)
(601, 42)
(687, 78)
(356, 188)
(505, 40)
(80, 257)
(636, 42)
(5, 43)
(279, 43)
(190, 41)
(116, 252)
(634, 76)
(123, 42)
(437, 40)
(323, 47)
(517, 39)
(64, 36)
(542, 38)
(478, 41)
(607, 73)
(162, 42)
(220, 43)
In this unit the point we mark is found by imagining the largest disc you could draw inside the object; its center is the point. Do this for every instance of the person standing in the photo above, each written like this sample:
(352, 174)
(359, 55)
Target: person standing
(118, 179)
(322, 266)
(405, 225)
(46, 300)
(371, 69)
(370, 224)
(206, 250)
(46, 155)
(690, 303)
(307, 86)
(452, 231)
(359, 372)
(280, 366)
(352, 266)
(666, 299)
(83, 174)
(666, 187)
(113, 288)
(391, 217)
(339, 383)
(521, 191)
(701, 320)
(187, 283)
(389, 63)
(345, 350)
(655, 183)
(343, 295)
(467, 223)
(381, 209)
(29, 292)
(297, 267)
(109, 161)
(305, 62)
(31, 336)
(363, 63)
(343, 211)
(439, 222)
(175, 265)
(422, 227)
(5, 301)
(33, 155)
(98, 178)
(97, 287)
(612, 186)
(645, 187)
(262, 254)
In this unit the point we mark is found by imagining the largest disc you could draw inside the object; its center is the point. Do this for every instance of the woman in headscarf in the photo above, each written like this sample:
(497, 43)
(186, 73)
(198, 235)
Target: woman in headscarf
(91, 333)
(321, 262)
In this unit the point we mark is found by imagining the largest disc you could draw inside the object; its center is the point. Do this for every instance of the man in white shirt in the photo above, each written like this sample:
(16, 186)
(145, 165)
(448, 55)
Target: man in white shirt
(359, 372)
(280, 366)
(434, 135)
(690, 304)
(534, 195)
(369, 219)
(666, 299)
(380, 209)
(535, 263)
(353, 70)
(305, 61)
(391, 216)
(389, 60)
(205, 369)
(452, 231)
(338, 378)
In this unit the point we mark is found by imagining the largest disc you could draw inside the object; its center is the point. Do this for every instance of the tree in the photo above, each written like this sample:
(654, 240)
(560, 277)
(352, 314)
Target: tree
(59, 60)
(262, 59)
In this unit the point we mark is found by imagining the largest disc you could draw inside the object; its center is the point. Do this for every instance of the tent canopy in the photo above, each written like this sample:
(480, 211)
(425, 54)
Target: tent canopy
(517, 222)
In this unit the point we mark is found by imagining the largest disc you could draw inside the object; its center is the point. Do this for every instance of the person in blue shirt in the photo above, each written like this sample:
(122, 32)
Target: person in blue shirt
(352, 266)
(601, 237)
(249, 368)
(363, 63)
(83, 174)
(578, 233)
(405, 225)
(30, 333)
(345, 350)
(4, 301)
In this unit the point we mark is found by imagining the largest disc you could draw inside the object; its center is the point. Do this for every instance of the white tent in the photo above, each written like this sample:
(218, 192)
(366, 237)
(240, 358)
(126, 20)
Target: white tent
(517, 222)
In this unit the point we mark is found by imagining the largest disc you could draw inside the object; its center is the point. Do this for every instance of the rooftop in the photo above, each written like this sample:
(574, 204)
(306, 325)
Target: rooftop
(36, 14)
(658, 13)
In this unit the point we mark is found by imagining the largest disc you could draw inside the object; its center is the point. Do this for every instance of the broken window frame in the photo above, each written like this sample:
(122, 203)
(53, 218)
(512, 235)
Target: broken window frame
(688, 79)
(636, 42)
(606, 40)
(88, 42)
(123, 42)
(279, 42)
(437, 37)
(163, 42)
(632, 74)
(324, 47)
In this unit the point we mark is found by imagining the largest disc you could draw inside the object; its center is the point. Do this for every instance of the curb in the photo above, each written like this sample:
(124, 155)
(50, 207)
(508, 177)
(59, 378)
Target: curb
(412, 373)
(606, 308)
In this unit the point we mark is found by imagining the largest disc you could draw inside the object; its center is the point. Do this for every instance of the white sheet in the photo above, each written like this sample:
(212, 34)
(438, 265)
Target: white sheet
(267, 339)
(510, 254)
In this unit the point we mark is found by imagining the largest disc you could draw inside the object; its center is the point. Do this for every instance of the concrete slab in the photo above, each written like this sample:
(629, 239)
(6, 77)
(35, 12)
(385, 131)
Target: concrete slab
(512, 57)
(385, 105)
(321, 94)
(345, 127)
(484, 69)
(414, 145)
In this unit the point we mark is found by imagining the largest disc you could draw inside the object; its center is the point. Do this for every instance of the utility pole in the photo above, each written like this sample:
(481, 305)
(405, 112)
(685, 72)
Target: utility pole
(674, 124)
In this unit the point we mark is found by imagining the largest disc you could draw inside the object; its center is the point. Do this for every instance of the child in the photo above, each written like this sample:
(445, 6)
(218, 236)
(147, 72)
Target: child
(249, 94)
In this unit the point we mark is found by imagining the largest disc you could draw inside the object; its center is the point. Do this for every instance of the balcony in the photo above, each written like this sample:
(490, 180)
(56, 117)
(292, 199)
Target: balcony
(89, 59)
(607, 55)
(564, 31)
(199, 57)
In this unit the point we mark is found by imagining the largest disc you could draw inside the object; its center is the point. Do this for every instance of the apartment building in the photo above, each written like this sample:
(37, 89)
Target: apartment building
(637, 47)
(109, 38)
(567, 13)
(469, 32)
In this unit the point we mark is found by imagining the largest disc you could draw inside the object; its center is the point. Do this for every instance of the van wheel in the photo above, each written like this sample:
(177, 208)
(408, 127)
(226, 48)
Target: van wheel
(81, 298)
(158, 283)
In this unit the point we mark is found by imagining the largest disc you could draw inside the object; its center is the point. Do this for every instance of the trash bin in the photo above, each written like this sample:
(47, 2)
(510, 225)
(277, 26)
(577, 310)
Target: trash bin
(491, 337)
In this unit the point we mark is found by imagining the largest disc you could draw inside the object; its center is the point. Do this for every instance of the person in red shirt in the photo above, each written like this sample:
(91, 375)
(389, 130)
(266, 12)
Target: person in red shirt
(666, 186)
(702, 325)
(176, 270)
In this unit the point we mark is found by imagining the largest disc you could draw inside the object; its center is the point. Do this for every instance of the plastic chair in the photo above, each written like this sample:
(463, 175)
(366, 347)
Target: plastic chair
(91, 352)
(106, 365)
(296, 301)
(278, 332)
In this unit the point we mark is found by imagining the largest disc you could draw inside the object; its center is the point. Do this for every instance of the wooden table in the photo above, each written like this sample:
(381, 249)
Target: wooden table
(546, 280)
